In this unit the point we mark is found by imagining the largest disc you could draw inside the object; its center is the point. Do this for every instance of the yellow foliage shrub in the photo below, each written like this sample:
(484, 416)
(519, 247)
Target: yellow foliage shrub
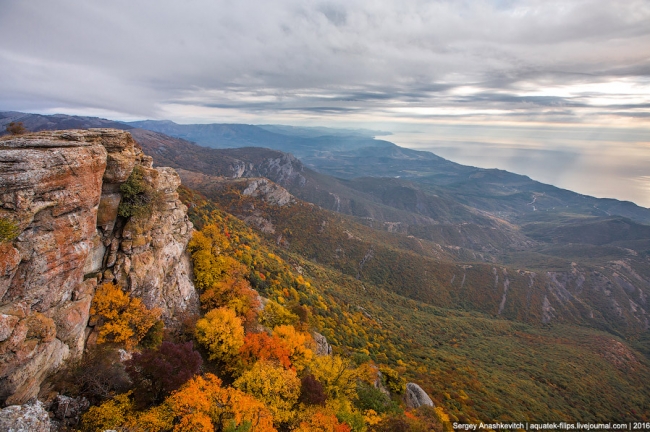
(336, 375)
(112, 414)
(276, 387)
(274, 314)
(125, 319)
(222, 333)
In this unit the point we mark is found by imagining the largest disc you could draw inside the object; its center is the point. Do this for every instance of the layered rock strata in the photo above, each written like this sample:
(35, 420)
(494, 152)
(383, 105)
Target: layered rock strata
(62, 191)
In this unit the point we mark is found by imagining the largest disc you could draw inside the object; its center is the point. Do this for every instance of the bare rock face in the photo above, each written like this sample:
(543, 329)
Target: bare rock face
(69, 410)
(25, 418)
(269, 192)
(147, 255)
(416, 397)
(62, 190)
(322, 346)
(51, 185)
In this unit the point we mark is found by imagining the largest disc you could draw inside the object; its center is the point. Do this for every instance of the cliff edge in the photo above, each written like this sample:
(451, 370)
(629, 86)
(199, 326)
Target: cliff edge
(62, 191)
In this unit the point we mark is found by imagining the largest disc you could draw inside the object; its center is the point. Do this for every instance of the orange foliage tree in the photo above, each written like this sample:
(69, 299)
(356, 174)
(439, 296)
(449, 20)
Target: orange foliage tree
(124, 319)
(203, 405)
(299, 344)
(261, 346)
(235, 293)
(322, 422)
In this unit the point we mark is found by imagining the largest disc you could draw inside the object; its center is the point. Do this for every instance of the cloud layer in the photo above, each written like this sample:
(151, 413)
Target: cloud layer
(557, 89)
(515, 61)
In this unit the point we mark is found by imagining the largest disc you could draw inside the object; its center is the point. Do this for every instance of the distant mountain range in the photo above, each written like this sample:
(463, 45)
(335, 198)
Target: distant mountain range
(475, 215)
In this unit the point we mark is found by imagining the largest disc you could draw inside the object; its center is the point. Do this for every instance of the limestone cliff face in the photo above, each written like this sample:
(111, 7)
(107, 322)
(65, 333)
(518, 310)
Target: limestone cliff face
(62, 189)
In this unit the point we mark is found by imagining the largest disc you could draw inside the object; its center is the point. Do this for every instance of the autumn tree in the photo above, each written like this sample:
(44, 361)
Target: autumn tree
(109, 415)
(274, 314)
(210, 263)
(391, 379)
(202, 404)
(336, 375)
(191, 405)
(261, 346)
(322, 422)
(233, 292)
(156, 419)
(312, 391)
(123, 319)
(299, 344)
(222, 333)
(273, 385)
(16, 128)
(239, 409)
(156, 373)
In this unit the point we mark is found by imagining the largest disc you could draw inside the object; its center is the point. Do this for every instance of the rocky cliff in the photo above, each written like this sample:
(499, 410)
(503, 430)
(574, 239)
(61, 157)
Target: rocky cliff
(62, 190)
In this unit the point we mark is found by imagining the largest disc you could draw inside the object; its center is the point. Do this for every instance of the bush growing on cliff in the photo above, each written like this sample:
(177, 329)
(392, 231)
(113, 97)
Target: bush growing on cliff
(125, 319)
(391, 379)
(8, 230)
(98, 375)
(137, 195)
(16, 128)
(109, 415)
(156, 373)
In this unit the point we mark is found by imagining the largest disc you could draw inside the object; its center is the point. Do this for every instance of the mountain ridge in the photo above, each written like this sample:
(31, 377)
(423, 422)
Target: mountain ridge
(349, 157)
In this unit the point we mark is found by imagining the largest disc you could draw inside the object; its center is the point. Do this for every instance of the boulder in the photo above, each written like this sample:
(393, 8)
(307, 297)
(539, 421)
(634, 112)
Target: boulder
(68, 409)
(416, 397)
(30, 417)
(322, 347)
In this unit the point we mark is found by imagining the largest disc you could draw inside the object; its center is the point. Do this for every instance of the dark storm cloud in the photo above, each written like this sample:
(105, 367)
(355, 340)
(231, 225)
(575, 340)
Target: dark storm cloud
(152, 58)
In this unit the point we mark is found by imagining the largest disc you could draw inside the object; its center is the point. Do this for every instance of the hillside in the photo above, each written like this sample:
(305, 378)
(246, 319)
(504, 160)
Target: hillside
(546, 289)
(405, 274)
(106, 324)
(351, 156)
(463, 359)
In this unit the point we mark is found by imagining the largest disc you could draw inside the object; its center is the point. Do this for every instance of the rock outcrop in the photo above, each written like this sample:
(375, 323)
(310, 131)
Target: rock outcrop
(322, 346)
(30, 417)
(416, 397)
(68, 410)
(62, 190)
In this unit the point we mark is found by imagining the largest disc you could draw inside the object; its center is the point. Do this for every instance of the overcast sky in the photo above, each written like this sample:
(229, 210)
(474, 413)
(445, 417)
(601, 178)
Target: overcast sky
(423, 69)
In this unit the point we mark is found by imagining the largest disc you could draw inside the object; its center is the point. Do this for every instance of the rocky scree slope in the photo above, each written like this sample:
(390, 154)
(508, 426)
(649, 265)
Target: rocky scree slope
(62, 190)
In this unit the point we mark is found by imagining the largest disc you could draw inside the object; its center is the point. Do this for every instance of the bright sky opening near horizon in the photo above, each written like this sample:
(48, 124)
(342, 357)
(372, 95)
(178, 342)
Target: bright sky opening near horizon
(557, 90)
